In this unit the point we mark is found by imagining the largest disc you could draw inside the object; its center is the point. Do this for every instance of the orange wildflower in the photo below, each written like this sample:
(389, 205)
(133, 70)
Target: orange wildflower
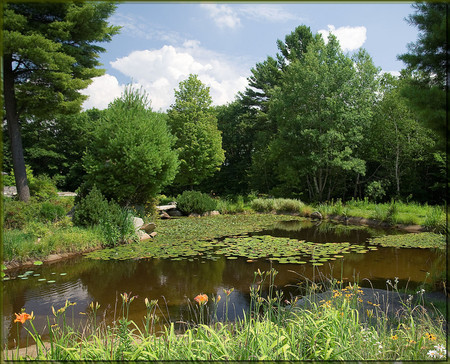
(201, 299)
(23, 317)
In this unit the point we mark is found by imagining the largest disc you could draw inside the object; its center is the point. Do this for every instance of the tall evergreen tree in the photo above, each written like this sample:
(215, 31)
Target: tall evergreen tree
(427, 60)
(50, 52)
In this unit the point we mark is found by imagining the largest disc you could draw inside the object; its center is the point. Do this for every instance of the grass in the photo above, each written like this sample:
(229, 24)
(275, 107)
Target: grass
(272, 329)
(20, 246)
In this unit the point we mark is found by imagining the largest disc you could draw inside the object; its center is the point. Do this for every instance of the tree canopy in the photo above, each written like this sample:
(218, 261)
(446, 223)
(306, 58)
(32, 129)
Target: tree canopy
(199, 143)
(131, 157)
(50, 53)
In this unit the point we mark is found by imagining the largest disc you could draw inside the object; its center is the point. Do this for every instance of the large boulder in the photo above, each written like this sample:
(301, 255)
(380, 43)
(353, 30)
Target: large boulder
(316, 215)
(137, 222)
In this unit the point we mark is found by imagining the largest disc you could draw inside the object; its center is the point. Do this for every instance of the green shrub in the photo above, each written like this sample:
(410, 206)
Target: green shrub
(43, 188)
(435, 220)
(91, 209)
(115, 222)
(195, 202)
(18, 213)
(50, 212)
(288, 205)
(262, 204)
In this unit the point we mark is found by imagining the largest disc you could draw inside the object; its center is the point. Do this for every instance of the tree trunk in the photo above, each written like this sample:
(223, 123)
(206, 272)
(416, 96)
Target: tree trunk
(15, 137)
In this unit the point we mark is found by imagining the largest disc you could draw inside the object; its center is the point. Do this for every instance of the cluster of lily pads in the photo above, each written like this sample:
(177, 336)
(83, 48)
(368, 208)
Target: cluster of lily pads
(286, 250)
(420, 240)
(31, 273)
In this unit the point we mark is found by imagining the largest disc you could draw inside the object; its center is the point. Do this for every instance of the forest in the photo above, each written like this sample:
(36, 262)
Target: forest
(314, 123)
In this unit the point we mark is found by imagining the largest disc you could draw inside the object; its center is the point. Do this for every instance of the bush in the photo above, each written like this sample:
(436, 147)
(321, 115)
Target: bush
(262, 205)
(288, 205)
(18, 213)
(195, 202)
(43, 188)
(91, 209)
(49, 212)
(115, 222)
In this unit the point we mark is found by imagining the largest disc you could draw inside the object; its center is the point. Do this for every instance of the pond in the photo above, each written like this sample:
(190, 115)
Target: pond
(175, 281)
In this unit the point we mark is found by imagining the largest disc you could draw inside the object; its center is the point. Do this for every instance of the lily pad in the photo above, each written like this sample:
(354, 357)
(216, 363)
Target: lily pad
(38, 262)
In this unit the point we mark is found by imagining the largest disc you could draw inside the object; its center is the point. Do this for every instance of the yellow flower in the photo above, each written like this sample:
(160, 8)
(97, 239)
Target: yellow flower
(394, 337)
(430, 336)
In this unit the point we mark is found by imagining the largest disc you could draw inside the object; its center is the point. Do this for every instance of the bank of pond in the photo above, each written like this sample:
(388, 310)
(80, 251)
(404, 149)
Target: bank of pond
(225, 256)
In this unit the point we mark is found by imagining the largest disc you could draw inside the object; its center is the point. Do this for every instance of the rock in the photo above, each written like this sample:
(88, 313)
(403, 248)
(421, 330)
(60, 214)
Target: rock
(193, 214)
(143, 236)
(148, 228)
(71, 212)
(165, 215)
(174, 212)
(316, 215)
(211, 213)
(153, 234)
(137, 222)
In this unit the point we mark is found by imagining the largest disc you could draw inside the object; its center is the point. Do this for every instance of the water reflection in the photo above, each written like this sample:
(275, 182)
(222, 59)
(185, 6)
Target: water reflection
(176, 283)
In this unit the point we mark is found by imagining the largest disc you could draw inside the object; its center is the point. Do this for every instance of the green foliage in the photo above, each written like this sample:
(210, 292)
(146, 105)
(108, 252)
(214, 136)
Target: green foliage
(288, 205)
(427, 60)
(115, 222)
(319, 126)
(131, 157)
(42, 188)
(194, 123)
(435, 220)
(51, 212)
(375, 191)
(262, 204)
(55, 47)
(195, 202)
(91, 209)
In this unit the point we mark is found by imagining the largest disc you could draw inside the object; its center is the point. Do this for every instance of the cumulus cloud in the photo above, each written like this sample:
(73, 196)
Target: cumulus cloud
(101, 92)
(160, 71)
(350, 38)
(223, 15)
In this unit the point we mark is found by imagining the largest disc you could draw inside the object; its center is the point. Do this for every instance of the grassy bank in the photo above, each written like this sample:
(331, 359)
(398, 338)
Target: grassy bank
(33, 231)
(272, 329)
(432, 218)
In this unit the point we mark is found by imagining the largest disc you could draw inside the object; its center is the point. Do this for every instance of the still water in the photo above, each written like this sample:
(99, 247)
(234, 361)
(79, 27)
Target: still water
(175, 283)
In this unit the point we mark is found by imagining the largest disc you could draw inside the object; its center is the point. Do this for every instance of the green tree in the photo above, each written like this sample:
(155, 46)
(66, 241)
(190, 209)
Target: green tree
(49, 53)
(397, 140)
(199, 142)
(427, 61)
(320, 123)
(131, 157)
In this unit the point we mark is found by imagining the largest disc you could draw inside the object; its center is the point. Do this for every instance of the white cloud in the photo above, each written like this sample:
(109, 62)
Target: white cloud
(393, 73)
(223, 15)
(160, 71)
(350, 38)
(101, 92)
(264, 12)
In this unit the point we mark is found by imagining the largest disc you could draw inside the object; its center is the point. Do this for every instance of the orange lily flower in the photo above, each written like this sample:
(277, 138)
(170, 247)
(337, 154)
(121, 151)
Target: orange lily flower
(201, 299)
(23, 317)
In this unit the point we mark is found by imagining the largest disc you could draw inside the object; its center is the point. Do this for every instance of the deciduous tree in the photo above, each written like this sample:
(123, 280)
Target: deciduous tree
(199, 142)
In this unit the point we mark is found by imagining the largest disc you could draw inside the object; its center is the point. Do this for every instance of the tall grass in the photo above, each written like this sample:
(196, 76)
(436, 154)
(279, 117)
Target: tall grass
(334, 328)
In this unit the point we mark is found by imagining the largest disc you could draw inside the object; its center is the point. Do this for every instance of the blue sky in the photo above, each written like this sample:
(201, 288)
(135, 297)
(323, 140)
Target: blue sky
(160, 44)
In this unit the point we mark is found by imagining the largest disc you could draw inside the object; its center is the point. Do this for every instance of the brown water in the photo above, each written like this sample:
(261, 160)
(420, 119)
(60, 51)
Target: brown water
(174, 283)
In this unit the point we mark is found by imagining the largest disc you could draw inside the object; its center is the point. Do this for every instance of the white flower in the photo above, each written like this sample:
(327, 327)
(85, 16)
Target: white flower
(389, 282)
(396, 280)
(432, 354)
(439, 347)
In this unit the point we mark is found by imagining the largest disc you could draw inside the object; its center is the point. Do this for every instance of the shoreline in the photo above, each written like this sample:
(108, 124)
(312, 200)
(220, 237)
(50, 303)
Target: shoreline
(358, 221)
